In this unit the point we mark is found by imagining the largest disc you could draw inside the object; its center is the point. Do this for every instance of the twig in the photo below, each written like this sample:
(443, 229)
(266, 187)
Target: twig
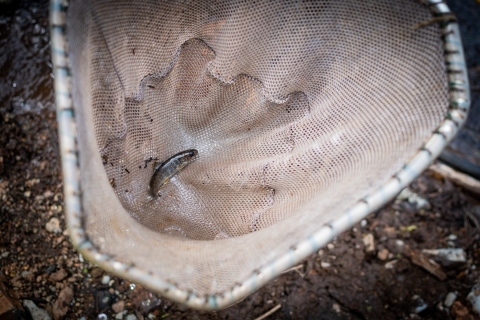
(458, 178)
(263, 316)
(428, 264)
(296, 268)
(444, 18)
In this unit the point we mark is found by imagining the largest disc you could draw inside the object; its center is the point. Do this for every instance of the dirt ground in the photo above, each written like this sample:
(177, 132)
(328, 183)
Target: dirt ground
(348, 279)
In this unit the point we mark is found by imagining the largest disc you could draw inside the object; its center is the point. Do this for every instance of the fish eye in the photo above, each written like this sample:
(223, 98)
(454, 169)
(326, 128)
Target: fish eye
(191, 153)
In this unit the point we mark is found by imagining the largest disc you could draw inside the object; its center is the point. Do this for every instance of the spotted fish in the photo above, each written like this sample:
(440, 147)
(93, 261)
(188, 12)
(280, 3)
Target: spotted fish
(166, 170)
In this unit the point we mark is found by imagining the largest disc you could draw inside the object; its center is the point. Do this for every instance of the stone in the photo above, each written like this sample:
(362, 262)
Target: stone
(59, 275)
(369, 243)
(131, 317)
(27, 275)
(118, 306)
(36, 312)
(383, 254)
(53, 226)
(60, 307)
(450, 299)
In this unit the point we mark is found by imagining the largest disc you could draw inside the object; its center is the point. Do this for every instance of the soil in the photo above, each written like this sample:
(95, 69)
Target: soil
(348, 279)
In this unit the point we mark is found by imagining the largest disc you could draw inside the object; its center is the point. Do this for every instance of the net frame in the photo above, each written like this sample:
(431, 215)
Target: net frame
(455, 117)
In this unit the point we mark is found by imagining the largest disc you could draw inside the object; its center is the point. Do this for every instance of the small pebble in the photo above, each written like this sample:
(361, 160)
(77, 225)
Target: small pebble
(53, 226)
(382, 254)
(336, 308)
(111, 283)
(325, 265)
(363, 223)
(369, 243)
(131, 317)
(330, 246)
(450, 299)
(105, 279)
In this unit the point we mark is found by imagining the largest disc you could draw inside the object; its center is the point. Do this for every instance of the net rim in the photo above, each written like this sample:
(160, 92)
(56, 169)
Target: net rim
(451, 124)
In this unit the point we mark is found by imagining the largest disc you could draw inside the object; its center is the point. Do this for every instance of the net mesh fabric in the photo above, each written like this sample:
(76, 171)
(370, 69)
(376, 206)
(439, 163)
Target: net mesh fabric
(297, 111)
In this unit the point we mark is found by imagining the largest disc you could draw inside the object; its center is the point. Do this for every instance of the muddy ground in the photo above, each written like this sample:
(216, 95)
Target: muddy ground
(345, 280)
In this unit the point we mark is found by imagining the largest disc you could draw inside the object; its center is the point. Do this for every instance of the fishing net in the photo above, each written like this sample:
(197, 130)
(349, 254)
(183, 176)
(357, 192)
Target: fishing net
(303, 114)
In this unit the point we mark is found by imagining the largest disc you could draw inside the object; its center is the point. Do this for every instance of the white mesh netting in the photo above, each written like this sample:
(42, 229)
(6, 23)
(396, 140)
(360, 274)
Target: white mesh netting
(297, 111)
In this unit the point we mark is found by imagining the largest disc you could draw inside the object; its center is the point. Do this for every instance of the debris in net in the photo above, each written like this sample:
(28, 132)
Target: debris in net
(36, 312)
(53, 226)
(450, 299)
(412, 198)
(421, 260)
(266, 314)
(474, 298)
(369, 243)
(451, 254)
(442, 18)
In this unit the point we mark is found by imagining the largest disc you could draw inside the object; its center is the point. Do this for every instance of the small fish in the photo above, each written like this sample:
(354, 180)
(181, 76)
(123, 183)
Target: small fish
(166, 170)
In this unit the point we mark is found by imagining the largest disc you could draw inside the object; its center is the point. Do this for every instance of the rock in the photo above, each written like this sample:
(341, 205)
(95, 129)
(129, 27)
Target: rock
(119, 316)
(27, 275)
(382, 254)
(60, 307)
(131, 317)
(369, 243)
(59, 275)
(105, 279)
(474, 298)
(336, 308)
(460, 311)
(10, 307)
(118, 306)
(450, 299)
(53, 226)
(36, 312)
(325, 265)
